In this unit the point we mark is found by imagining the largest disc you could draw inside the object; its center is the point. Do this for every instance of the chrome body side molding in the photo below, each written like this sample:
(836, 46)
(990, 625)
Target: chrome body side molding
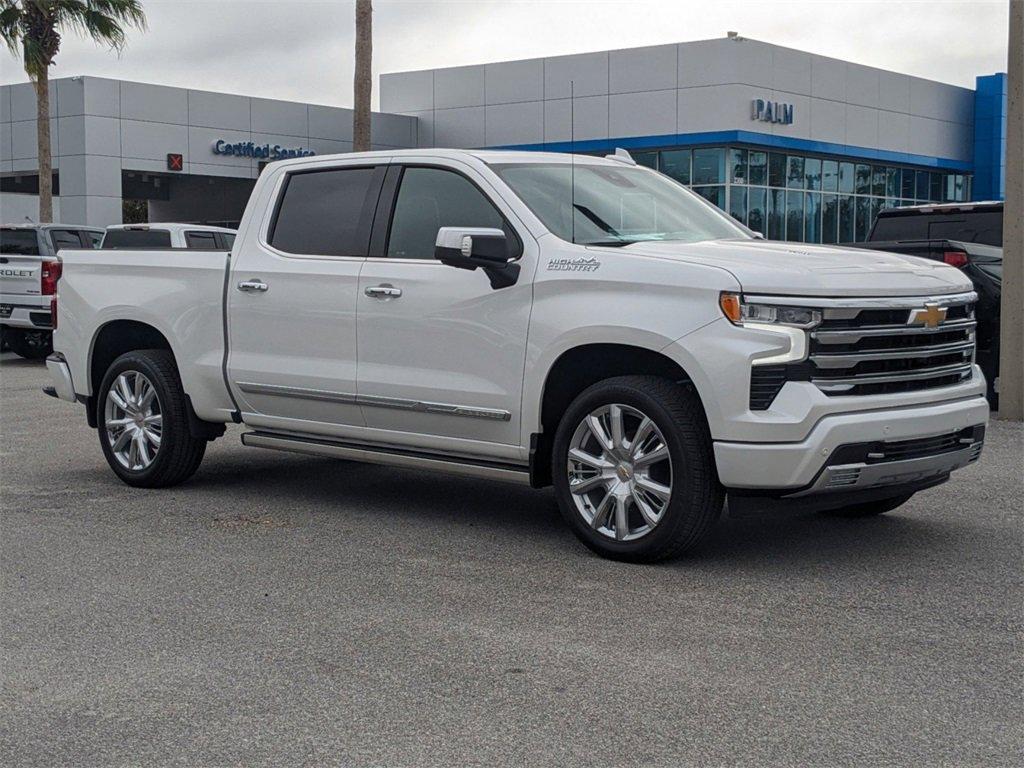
(374, 401)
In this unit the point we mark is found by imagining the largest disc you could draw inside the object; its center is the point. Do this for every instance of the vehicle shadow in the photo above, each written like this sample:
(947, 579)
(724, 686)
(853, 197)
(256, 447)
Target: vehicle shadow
(758, 541)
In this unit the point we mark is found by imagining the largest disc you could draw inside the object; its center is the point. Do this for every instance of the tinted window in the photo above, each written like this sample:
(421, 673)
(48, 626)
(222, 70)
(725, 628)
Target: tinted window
(65, 238)
(228, 240)
(431, 198)
(202, 241)
(20, 242)
(137, 238)
(970, 227)
(92, 238)
(320, 213)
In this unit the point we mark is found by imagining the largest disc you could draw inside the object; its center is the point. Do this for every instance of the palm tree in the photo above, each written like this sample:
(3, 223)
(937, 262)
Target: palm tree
(363, 84)
(33, 28)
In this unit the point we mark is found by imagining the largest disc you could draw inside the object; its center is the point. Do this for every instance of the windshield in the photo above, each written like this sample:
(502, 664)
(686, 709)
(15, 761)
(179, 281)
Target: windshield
(614, 206)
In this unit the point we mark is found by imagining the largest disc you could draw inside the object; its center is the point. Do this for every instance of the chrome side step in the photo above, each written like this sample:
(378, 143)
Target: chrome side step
(389, 456)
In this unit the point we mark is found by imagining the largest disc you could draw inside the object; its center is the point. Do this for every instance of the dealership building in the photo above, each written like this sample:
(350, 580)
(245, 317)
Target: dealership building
(798, 146)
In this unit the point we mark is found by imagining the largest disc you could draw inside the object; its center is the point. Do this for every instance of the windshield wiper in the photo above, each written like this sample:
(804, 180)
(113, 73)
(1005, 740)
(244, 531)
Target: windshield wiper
(610, 243)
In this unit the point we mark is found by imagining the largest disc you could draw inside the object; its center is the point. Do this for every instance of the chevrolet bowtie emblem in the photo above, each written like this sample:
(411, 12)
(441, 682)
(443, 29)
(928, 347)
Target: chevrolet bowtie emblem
(930, 316)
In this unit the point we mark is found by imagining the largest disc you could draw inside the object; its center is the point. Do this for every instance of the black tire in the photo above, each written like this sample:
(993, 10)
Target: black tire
(697, 497)
(871, 508)
(179, 453)
(32, 345)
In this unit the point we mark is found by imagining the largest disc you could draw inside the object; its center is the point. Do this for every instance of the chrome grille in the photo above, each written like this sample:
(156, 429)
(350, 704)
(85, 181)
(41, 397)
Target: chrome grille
(866, 350)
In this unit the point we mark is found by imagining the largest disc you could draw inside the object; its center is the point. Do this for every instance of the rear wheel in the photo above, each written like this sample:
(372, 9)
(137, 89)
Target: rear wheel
(143, 421)
(633, 469)
(872, 508)
(32, 345)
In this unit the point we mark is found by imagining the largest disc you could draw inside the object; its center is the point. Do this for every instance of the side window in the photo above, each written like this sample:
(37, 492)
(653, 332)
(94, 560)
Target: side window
(227, 240)
(92, 238)
(65, 238)
(201, 241)
(431, 198)
(320, 212)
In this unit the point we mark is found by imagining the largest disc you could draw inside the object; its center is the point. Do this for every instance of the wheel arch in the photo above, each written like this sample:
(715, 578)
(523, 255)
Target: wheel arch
(578, 368)
(117, 337)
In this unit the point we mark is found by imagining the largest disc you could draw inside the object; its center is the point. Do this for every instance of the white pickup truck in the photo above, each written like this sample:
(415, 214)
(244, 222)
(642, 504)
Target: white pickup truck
(536, 318)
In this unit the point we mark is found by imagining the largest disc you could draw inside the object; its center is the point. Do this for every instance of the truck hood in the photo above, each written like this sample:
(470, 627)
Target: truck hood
(796, 269)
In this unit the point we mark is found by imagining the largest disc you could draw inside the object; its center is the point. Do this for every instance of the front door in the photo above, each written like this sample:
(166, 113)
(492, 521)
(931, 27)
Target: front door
(292, 301)
(441, 353)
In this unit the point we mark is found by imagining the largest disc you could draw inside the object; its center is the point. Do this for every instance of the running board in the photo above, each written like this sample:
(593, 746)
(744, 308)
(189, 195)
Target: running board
(389, 456)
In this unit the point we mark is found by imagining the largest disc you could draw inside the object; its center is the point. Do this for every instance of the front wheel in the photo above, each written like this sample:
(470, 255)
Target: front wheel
(143, 421)
(634, 471)
(32, 345)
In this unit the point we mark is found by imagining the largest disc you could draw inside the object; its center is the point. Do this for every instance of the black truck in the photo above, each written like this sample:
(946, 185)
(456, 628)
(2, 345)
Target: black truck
(968, 236)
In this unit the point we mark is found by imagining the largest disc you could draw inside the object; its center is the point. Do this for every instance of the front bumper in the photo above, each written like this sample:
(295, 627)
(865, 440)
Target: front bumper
(823, 462)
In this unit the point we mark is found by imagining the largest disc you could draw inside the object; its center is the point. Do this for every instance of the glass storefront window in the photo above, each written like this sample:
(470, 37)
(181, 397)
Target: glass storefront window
(709, 166)
(737, 166)
(776, 214)
(795, 216)
(794, 172)
(830, 219)
(758, 165)
(812, 172)
(846, 219)
(863, 219)
(877, 180)
(812, 218)
(935, 187)
(846, 177)
(757, 197)
(738, 203)
(776, 170)
(676, 164)
(863, 182)
(907, 184)
(892, 182)
(829, 175)
(646, 159)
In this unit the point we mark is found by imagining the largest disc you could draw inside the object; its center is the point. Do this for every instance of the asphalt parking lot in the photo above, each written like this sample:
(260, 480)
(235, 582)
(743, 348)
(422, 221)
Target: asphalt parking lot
(290, 610)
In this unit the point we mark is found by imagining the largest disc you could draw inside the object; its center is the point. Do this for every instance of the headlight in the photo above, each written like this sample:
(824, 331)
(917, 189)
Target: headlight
(742, 313)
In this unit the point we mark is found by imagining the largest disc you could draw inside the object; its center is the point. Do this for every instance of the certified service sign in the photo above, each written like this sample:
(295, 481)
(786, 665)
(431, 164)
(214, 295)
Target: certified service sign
(259, 151)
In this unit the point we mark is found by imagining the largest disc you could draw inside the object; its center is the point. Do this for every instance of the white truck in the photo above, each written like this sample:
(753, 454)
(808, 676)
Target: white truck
(168, 235)
(537, 318)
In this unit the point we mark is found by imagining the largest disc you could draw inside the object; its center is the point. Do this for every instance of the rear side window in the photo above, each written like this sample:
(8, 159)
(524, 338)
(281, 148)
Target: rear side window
(205, 241)
(19, 242)
(227, 239)
(137, 238)
(65, 238)
(92, 238)
(320, 213)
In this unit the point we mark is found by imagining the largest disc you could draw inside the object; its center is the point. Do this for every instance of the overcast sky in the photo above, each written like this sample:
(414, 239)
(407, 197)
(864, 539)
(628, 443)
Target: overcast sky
(302, 50)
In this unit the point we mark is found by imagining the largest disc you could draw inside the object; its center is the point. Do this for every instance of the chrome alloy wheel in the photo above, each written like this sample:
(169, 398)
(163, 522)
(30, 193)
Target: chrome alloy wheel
(620, 472)
(133, 420)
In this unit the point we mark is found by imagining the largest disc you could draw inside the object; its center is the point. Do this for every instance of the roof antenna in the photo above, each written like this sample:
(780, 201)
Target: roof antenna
(572, 157)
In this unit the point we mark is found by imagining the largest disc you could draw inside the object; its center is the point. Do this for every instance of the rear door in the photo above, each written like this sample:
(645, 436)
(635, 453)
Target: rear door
(292, 301)
(20, 262)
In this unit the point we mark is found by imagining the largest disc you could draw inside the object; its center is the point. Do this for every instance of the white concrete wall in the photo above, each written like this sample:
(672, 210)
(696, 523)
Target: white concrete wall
(17, 208)
(686, 88)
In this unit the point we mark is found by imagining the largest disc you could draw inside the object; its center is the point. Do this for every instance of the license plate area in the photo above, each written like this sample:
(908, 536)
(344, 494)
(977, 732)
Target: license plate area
(5, 310)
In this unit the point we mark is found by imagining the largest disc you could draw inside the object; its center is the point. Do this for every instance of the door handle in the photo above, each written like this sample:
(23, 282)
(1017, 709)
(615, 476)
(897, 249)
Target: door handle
(384, 291)
(252, 286)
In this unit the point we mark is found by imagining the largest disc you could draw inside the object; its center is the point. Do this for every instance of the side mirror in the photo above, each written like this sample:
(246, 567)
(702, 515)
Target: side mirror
(477, 248)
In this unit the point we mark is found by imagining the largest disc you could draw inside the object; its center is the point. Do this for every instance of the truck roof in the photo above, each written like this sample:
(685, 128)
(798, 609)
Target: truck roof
(489, 156)
(53, 226)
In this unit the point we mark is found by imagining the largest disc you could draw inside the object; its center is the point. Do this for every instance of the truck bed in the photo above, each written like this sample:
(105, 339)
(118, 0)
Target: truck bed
(180, 293)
